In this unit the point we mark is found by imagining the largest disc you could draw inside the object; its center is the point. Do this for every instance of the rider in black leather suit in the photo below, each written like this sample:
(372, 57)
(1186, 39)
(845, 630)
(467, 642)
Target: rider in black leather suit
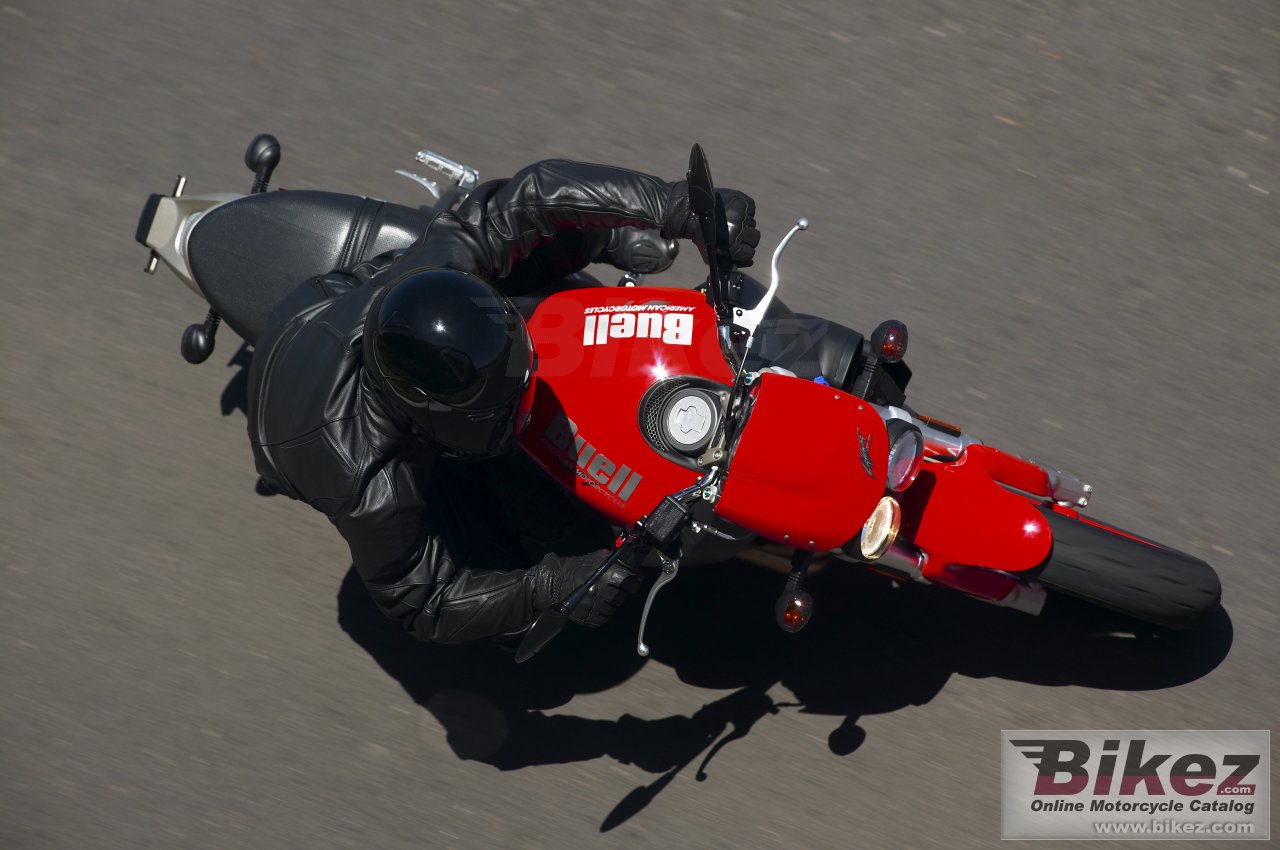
(433, 549)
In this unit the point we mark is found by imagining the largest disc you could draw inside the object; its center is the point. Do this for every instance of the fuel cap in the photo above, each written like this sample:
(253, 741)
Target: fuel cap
(689, 420)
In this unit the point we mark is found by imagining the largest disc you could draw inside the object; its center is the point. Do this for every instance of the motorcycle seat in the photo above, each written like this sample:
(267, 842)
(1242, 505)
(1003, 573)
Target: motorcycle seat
(247, 255)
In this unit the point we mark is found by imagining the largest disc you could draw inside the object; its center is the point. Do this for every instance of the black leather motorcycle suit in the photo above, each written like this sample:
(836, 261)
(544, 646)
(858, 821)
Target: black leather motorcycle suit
(429, 553)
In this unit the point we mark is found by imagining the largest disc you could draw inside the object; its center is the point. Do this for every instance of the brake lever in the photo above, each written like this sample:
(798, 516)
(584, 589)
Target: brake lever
(670, 566)
(748, 320)
(661, 527)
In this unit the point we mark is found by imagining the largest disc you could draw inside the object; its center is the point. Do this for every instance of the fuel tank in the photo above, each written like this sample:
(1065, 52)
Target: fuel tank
(627, 385)
(629, 388)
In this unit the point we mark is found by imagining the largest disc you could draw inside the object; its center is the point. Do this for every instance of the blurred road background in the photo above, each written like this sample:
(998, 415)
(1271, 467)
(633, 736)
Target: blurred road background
(1074, 205)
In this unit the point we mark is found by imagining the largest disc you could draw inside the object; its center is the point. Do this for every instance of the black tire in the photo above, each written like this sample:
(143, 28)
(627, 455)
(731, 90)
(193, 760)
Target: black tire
(1149, 582)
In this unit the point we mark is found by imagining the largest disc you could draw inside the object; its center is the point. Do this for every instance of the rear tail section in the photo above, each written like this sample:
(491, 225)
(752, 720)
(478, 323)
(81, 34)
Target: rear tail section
(244, 253)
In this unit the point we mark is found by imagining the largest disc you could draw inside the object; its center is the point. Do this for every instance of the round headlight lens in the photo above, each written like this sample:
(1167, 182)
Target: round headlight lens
(906, 451)
(880, 529)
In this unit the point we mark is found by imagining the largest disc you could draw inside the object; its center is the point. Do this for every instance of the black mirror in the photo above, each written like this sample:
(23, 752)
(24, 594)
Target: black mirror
(715, 230)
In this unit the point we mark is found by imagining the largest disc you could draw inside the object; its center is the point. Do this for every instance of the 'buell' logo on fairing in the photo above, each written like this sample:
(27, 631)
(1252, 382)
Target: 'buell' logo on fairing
(673, 325)
(592, 466)
(864, 449)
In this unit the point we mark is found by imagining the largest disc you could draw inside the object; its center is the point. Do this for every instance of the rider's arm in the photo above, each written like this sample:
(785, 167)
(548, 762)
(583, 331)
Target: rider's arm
(413, 577)
(504, 221)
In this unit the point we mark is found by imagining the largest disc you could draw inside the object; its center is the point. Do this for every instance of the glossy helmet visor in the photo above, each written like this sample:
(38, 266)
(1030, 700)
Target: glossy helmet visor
(455, 354)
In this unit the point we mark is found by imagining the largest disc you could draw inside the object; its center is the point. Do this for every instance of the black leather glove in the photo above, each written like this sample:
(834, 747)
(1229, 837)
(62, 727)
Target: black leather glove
(556, 576)
(739, 214)
(639, 251)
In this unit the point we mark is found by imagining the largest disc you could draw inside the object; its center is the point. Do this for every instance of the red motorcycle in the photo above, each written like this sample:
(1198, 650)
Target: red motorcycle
(714, 422)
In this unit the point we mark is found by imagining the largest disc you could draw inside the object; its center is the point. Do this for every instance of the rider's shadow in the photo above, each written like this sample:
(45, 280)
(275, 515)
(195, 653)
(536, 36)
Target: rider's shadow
(496, 711)
(871, 648)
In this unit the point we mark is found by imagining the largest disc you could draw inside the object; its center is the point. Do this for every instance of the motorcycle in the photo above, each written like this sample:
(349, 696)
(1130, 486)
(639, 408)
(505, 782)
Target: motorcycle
(713, 422)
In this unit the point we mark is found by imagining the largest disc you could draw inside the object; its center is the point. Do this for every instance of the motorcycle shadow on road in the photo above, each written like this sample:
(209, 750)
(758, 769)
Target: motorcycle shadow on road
(872, 647)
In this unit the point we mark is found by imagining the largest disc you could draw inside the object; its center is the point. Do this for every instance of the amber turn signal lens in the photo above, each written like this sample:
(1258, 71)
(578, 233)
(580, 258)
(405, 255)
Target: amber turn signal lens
(795, 611)
(893, 345)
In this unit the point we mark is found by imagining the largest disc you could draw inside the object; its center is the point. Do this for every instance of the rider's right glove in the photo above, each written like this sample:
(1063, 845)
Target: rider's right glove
(739, 213)
(556, 576)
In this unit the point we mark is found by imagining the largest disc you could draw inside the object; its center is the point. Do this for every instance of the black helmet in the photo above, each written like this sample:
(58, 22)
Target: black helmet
(455, 354)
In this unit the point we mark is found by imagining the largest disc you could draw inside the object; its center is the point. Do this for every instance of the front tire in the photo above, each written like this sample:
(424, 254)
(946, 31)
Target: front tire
(1109, 568)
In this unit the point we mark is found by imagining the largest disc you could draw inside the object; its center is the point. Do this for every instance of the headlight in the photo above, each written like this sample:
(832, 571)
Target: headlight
(906, 450)
(880, 529)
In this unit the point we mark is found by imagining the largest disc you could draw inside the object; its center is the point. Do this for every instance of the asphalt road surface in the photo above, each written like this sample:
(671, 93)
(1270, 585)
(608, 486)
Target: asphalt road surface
(1074, 205)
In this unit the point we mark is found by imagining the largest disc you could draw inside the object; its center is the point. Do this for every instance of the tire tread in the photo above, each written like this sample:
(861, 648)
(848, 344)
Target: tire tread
(1149, 582)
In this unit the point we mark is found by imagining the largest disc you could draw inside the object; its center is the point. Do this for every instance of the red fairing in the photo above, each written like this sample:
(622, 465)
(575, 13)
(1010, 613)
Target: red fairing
(809, 466)
(957, 514)
(975, 581)
(599, 349)
(1016, 472)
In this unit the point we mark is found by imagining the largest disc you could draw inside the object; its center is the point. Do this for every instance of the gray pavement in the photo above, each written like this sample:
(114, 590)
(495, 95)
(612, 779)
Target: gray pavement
(1073, 205)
